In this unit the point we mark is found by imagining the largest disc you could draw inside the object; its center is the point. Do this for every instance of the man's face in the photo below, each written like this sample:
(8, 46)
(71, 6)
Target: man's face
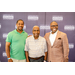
(54, 27)
(36, 32)
(20, 25)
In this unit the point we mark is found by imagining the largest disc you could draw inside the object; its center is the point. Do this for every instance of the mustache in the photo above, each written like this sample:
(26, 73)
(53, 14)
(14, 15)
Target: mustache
(21, 26)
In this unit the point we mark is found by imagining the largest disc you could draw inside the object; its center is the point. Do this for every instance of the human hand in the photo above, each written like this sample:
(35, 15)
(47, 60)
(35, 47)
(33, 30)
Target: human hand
(10, 60)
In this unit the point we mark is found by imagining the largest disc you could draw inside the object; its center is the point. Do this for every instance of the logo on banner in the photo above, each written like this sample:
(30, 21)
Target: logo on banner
(71, 45)
(0, 26)
(5, 35)
(44, 27)
(0, 44)
(69, 27)
(57, 18)
(4, 54)
(33, 17)
(8, 16)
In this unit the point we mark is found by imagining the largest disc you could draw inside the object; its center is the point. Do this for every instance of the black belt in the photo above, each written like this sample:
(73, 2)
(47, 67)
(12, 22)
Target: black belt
(36, 58)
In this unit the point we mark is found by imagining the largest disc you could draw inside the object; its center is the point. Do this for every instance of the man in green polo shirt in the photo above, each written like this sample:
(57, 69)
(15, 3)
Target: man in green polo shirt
(15, 43)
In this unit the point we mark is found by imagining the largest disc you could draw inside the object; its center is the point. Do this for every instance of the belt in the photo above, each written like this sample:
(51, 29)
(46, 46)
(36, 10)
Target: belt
(36, 58)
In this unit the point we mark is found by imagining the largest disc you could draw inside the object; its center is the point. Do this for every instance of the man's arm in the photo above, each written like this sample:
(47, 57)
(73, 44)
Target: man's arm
(26, 53)
(45, 50)
(65, 48)
(29, 35)
(45, 57)
(26, 50)
(7, 48)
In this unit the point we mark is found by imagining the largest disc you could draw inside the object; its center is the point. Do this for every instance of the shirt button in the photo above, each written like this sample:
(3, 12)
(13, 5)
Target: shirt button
(51, 46)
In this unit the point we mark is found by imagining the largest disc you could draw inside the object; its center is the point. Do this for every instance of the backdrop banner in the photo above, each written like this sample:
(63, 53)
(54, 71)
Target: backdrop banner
(65, 20)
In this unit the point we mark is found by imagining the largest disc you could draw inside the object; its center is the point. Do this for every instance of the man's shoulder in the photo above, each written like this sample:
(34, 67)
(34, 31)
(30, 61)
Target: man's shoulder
(26, 33)
(41, 38)
(29, 38)
(47, 33)
(62, 33)
(11, 32)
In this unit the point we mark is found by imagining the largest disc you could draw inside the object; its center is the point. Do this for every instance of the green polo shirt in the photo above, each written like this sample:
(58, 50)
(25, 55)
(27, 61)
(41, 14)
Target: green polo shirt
(17, 45)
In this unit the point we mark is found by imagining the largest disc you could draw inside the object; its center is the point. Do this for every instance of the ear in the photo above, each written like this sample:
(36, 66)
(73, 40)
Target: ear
(32, 31)
(16, 24)
(39, 32)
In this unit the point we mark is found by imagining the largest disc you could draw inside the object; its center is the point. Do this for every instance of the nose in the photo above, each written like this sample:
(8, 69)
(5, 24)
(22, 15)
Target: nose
(35, 31)
(54, 27)
(20, 25)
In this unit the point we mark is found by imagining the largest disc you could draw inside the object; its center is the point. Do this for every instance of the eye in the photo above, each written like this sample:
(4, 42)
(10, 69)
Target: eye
(34, 30)
(19, 24)
(37, 30)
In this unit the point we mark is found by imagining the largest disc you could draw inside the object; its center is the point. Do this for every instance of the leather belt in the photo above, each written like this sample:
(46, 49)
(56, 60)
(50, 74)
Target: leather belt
(36, 58)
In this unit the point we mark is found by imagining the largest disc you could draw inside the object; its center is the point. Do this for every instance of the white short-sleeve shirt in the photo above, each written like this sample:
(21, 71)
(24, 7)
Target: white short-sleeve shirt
(36, 47)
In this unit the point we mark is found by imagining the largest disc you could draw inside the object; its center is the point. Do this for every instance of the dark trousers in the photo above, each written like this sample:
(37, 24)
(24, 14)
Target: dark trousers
(38, 60)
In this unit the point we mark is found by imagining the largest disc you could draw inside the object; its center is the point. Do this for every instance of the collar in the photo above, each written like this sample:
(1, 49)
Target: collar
(18, 32)
(34, 38)
(54, 33)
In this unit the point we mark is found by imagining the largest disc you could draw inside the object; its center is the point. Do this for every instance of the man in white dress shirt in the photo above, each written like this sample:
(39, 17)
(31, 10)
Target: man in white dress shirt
(36, 48)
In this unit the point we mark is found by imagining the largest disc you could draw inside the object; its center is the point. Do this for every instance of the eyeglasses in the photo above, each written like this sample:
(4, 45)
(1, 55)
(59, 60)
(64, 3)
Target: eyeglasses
(54, 25)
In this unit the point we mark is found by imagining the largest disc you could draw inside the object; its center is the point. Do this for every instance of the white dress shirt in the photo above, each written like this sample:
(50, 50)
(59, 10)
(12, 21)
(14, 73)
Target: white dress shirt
(36, 47)
(52, 37)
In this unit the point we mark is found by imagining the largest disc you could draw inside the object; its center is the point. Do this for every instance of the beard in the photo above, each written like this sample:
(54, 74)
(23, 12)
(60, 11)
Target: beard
(20, 28)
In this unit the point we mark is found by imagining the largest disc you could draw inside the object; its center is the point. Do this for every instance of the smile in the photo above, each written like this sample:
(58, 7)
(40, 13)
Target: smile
(54, 29)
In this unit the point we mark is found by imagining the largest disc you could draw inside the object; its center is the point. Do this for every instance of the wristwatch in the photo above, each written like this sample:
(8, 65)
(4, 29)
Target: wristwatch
(9, 58)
